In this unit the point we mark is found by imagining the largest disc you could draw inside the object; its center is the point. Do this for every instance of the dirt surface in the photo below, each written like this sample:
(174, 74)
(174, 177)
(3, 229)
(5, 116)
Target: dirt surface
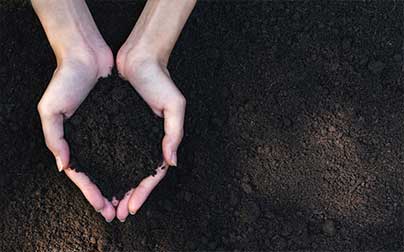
(293, 133)
(114, 138)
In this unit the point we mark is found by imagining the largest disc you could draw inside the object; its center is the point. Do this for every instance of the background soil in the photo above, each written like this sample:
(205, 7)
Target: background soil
(294, 137)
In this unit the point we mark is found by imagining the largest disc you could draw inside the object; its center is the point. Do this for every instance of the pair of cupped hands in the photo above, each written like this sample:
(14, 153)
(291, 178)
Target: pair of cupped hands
(76, 74)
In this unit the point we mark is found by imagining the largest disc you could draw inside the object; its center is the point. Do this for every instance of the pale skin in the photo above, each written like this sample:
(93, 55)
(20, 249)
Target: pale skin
(83, 57)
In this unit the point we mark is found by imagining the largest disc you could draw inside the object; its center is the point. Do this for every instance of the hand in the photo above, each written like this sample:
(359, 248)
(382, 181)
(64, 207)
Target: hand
(152, 81)
(82, 56)
(71, 82)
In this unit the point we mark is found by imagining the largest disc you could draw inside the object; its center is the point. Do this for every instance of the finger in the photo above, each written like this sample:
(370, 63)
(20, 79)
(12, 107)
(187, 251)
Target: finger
(173, 129)
(143, 190)
(122, 211)
(52, 125)
(108, 211)
(88, 188)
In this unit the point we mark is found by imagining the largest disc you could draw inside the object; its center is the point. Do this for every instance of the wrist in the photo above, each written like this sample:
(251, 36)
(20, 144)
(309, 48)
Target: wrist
(141, 53)
(151, 52)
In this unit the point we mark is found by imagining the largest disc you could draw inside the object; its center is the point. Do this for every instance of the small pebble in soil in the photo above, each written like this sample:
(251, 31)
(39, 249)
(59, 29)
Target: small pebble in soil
(328, 228)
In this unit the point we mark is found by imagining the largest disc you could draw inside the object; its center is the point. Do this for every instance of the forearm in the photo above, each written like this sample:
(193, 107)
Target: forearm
(159, 27)
(67, 24)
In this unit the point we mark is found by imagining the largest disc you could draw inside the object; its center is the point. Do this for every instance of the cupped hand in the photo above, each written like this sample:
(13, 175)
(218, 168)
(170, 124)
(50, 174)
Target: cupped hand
(152, 81)
(71, 82)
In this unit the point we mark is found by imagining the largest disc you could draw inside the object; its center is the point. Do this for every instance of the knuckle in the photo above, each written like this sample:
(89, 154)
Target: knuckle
(43, 109)
(181, 101)
(47, 143)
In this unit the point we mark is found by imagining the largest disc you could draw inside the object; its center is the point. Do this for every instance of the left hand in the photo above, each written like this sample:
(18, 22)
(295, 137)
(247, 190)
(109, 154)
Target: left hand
(154, 84)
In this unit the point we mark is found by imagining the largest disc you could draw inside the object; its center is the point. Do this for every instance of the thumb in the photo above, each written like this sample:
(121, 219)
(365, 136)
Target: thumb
(52, 126)
(173, 129)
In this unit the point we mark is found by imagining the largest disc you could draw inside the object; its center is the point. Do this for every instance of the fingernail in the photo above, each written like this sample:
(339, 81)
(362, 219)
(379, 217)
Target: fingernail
(132, 213)
(174, 158)
(98, 210)
(123, 220)
(109, 221)
(59, 164)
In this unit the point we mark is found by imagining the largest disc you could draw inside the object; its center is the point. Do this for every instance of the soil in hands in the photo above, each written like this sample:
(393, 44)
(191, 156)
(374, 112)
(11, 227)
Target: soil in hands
(114, 137)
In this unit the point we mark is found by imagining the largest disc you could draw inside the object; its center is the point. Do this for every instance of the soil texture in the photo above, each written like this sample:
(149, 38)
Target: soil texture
(114, 137)
(293, 133)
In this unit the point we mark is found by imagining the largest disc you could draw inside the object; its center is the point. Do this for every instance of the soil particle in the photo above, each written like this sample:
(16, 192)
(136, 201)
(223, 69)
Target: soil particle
(212, 245)
(234, 199)
(287, 229)
(328, 228)
(93, 240)
(346, 44)
(279, 243)
(3, 72)
(331, 129)
(398, 57)
(376, 67)
(167, 205)
(247, 188)
(187, 196)
(249, 212)
(287, 122)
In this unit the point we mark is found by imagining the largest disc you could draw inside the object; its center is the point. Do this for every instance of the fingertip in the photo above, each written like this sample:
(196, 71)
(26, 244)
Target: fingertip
(174, 158)
(122, 211)
(108, 211)
(61, 154)
(132, 208)
(59, 163)
(136, 200)
(169, 151)
(97, 202)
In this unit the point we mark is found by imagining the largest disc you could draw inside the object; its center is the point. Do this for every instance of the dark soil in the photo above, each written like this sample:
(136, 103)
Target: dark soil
(114, 137)
(293, 133)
